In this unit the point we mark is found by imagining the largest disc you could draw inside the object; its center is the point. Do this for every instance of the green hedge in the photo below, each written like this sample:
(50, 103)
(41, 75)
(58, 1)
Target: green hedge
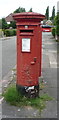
(10, 32)
(0, 33)
(53, 31)
(57, 30)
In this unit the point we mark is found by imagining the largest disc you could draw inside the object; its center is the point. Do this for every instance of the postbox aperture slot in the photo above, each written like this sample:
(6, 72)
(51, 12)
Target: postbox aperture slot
(26, 31)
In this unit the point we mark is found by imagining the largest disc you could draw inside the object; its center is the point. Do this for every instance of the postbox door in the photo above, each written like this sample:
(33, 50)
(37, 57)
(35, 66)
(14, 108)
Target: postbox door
(28, 64)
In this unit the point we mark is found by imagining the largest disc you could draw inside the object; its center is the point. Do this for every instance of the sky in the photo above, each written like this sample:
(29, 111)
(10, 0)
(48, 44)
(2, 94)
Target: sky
(39, 6)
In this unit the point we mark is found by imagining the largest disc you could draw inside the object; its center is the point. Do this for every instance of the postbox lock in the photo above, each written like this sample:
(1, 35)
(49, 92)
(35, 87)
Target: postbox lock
(35, 58)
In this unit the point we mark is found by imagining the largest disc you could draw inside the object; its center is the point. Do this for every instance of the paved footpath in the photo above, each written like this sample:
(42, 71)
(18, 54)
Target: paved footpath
(49, 76)
(49, 73)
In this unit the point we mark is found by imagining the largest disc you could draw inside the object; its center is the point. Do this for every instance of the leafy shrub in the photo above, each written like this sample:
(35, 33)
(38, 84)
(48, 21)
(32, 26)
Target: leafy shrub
(57, 30)
(14, 31)
(7, 33)
(0, 32)
(53, 31)
(10, 32)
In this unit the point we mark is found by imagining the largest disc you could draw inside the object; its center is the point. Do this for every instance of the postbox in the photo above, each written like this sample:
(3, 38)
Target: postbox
(29, 52)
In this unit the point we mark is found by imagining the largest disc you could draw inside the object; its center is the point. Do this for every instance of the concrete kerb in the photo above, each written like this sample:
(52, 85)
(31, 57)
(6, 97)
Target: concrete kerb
(6, 81)
(6, 38)
(8, 78)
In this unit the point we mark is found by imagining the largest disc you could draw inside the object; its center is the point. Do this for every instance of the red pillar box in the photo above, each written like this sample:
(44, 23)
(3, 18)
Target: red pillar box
(29, 41)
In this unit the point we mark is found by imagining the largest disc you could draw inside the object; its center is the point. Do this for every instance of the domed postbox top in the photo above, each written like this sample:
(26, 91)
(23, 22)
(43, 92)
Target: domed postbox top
(28, 15)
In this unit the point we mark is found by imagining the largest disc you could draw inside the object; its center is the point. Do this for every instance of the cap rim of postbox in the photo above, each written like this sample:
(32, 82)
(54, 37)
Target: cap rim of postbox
(32, 15)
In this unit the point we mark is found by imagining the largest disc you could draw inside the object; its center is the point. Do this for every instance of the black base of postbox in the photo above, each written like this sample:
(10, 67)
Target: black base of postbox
(30, 92)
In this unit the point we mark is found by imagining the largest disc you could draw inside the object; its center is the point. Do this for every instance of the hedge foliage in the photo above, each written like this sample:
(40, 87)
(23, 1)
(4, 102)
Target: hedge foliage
(10, 32)
(57, 30)
(53, 31)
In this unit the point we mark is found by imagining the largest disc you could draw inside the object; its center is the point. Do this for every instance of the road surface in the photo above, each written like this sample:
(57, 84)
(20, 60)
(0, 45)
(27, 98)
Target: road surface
(8, 55)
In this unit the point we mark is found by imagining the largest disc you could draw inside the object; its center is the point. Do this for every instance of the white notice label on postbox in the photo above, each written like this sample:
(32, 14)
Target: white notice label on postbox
(25, 44)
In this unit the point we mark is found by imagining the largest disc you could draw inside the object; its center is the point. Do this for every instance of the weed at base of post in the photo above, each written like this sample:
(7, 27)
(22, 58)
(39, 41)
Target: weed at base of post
(14, 98)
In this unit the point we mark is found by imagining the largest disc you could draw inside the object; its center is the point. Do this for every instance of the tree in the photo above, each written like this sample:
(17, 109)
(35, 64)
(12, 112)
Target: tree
(57, 25)
(53, 13)
(30, 10)
(19, 10)
(0, 24)
(13, 24)
(4, 23)
(47, 13)
(57, 19)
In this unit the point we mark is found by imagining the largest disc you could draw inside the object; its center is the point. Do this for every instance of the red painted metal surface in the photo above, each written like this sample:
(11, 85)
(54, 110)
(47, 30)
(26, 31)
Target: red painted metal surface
(28, 60)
